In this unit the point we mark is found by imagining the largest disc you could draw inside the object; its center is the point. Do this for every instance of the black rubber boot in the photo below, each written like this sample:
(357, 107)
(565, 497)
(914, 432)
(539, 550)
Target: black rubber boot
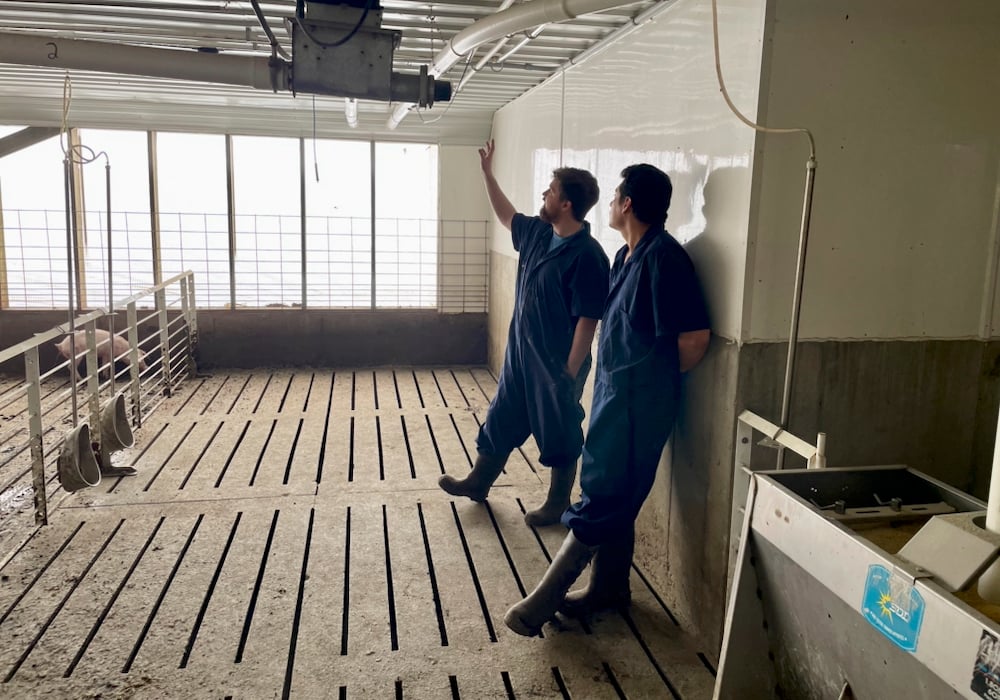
(560, 484)
(477, 484)
(608, 588)
(528, 616)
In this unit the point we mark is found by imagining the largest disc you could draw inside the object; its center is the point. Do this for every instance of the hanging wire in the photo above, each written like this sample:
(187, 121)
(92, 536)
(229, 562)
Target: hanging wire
(81, 154)
(807, 199)
(275, 46)
(76, 153)
(300, 15)
(739, 115)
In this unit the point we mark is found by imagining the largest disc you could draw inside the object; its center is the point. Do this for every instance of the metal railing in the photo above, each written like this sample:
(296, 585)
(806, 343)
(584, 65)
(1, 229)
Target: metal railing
(278, 261)
(37, 409)
(773, 437)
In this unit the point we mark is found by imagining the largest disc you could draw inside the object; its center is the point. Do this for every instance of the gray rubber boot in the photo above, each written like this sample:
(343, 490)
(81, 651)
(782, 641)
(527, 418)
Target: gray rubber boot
(608, 588)
(560, 484)
(477, 484)
(528, 616)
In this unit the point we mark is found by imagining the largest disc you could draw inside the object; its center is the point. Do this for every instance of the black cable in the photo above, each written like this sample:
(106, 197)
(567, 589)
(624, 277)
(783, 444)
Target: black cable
(339, 42)
(275, 46)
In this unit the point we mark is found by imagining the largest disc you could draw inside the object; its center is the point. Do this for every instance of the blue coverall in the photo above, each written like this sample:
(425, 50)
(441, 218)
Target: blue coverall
(654, 297)
(535, 395)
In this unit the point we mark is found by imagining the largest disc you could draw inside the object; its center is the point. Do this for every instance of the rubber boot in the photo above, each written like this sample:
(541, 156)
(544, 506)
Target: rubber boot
(477, 484)
(608, 587)
(528, 616)
(557, 501)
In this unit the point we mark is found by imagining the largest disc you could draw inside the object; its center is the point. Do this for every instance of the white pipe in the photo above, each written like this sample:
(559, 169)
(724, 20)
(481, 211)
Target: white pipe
(533, 34)
(989, 582)
(105, 57)
(500, 44)
(510, 21)
(818, 460)
(351, 112)
(479, 64)
(491, 53)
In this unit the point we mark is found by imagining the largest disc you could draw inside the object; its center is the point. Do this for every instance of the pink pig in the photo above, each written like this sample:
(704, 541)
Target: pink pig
(118, 346)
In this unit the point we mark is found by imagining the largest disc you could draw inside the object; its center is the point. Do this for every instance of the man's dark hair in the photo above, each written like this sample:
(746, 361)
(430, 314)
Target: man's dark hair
(578, 187)
(650, 190)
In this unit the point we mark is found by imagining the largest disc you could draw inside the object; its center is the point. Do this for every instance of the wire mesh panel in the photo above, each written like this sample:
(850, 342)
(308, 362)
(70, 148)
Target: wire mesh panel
(131, 250)
(463, 274)
(405, 263)
(268, 261)
(200, 243)
(35, 248)
(263, 233)
(419, 263)
(338, 262)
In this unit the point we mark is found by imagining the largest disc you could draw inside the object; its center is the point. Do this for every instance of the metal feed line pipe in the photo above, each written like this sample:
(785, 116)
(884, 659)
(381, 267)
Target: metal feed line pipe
(106, 57)
(510, 21)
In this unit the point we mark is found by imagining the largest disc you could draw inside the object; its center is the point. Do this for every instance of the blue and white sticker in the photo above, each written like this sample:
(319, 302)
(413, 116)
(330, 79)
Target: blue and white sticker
(893, 607)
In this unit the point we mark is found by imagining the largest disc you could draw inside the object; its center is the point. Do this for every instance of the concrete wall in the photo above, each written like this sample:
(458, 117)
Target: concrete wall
(931, 405)
(293, 337)
(900, 282)
(653, 98)
(902, 98)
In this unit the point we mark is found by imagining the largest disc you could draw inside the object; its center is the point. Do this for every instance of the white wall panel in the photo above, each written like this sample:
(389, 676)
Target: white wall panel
(460, 188)
(653, 97)
(527, 134)
(903, 99)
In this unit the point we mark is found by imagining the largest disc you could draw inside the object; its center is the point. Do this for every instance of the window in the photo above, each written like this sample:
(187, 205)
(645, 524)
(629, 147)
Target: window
(268, 221)
(194, 220)
(332, 254)
(406, 227)
(131, 243)
(338, 224)
(34, 223)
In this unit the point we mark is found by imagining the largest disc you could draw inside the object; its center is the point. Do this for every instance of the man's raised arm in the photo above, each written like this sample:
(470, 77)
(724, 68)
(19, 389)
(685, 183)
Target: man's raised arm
(501, 205)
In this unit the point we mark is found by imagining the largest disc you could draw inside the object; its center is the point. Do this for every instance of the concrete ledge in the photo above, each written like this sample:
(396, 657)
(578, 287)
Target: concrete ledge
(248, 338)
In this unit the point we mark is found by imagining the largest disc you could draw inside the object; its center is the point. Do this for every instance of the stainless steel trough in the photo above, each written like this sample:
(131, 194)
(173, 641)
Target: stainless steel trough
(823, 603)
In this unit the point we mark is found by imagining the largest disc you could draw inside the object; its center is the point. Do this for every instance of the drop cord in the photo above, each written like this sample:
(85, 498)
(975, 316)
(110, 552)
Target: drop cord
(803, 228)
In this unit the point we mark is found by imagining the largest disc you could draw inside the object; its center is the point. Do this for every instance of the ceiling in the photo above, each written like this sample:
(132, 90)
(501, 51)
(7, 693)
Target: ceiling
(34, 95)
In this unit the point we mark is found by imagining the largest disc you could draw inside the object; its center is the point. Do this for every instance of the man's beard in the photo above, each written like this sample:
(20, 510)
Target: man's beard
(544, 215)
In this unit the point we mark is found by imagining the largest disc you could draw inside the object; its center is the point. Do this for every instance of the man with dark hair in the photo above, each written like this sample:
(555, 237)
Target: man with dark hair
(655, 326)
(562, 284)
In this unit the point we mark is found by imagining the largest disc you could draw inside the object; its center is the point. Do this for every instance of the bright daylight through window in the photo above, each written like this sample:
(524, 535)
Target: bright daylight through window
(331, 254)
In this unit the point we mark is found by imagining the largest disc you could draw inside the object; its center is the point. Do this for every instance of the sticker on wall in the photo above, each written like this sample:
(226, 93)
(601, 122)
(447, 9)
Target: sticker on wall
(893, 607)
(986, 672)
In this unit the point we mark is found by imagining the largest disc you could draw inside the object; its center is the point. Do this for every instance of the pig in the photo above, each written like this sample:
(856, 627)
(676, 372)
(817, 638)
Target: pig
(119, 346)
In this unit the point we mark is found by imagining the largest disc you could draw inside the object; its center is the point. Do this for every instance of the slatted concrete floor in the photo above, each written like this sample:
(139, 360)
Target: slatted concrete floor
(285, 537)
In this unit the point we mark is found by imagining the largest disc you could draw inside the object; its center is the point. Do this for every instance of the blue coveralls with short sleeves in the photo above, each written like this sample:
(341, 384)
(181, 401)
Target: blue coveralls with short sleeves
(556, 285)
(654, 297)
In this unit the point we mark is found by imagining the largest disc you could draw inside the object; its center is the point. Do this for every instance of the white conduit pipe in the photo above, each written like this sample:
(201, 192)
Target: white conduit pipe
(533, 34)
(509, 21)
(989, 583)
(480, 63)
(489, 54)
(104, 57)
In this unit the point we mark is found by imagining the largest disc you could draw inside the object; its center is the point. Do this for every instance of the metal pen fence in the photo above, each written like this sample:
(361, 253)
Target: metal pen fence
(337, 262)
(39, 409)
